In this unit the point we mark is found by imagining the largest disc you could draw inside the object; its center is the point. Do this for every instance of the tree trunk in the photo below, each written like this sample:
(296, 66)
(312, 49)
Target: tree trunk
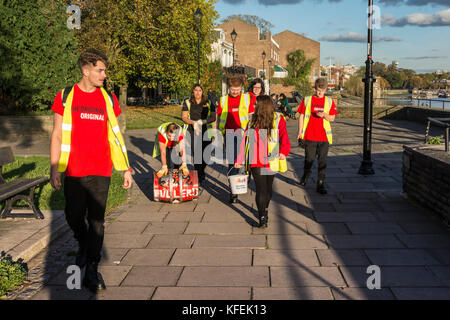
(123, 106)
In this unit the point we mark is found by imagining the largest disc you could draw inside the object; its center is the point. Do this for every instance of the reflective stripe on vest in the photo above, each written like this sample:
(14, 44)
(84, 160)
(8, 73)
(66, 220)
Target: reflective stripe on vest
(244, 105)
(163, 131)
(119, 155)
(326, 123)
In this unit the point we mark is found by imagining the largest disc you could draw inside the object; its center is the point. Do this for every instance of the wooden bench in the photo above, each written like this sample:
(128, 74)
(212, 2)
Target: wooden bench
(12, 191)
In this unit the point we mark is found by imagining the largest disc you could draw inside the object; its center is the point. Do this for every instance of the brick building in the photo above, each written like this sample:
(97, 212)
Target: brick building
(251, 43)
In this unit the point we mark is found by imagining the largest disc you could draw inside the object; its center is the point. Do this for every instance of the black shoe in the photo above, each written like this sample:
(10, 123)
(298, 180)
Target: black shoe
(263, 219)
(304, 180)
(233, 198)
(93, 279)
(81, 257)
(321, 187)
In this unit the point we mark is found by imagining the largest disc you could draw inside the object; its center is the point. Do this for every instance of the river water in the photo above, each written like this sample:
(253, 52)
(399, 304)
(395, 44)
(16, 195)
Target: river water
(406, 99)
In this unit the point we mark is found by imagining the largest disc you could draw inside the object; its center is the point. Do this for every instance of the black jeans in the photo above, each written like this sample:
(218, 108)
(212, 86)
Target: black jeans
(313, 149)
(86, 197)
(193, 149)
(263, 184)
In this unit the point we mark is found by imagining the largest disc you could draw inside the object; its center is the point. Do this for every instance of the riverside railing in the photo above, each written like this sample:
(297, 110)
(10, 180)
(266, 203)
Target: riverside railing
(440, 122)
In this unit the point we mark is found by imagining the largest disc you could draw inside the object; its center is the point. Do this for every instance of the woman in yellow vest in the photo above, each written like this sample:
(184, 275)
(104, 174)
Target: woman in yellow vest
(169, 143)
(264, 152)
(314, 131)
(198, 113)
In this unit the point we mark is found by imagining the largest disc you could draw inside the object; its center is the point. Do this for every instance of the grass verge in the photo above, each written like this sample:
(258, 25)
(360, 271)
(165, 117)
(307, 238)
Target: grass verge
(48, 198)
(151, 117)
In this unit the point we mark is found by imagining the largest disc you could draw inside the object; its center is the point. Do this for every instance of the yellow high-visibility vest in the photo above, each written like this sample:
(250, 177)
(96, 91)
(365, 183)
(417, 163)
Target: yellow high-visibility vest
(243, 111)
(119, 155)
(326, 123)
(209, 127)
(275, 164)
(163, 131)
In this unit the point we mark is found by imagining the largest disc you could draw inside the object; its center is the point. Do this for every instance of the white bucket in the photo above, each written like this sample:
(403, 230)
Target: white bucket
(238, 183)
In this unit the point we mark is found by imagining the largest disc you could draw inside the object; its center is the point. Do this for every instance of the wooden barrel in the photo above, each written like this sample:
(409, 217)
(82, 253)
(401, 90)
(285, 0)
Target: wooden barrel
(175, 187)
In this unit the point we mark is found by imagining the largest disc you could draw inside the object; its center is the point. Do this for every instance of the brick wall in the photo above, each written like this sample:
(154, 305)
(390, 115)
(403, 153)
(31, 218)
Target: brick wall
(290, 41)
(426, 179)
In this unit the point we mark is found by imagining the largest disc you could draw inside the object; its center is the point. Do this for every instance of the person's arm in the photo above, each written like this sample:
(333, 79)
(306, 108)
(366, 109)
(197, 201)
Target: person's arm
(55, 151)
(300, 125)
(162, 148)
(185, 117)
(212, 118)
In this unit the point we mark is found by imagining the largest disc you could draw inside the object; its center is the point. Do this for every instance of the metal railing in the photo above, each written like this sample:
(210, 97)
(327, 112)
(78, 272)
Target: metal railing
(440, 122)
(419, 102)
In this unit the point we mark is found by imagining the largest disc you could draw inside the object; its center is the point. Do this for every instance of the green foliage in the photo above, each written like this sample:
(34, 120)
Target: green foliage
(435, 140)
(355, 86)
(38, 53)
(256, 21)
(299, 69)
(211, 79)
(12, 274)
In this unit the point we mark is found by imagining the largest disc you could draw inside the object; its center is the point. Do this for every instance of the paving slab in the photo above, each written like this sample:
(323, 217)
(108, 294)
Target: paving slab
(126, 227)
(272, 257)
(327, 228)
(163, 241)
(141, 216)
(147, 257)
(212, 257)
(305, 277)
(231, 241)
(442, 255)
(282, 227)
(342, 257)
(165, 228)
(202, 293)
(111, 256)
(224, 276)
(374, 228)
(345, 217)
(218, 228)
(124, 293)
(148, 276)
(425, 240)
(422, 293)
(127, 241)
(362, 241)
(184, 216)
(400, 257)
(299, 293)
(62, 293)
(290, 242)
(362, 294)
(404, 276)
(424, 228)
(442, 273)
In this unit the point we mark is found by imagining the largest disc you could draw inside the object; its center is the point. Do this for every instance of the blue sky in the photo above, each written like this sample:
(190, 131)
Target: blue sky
(416, 33)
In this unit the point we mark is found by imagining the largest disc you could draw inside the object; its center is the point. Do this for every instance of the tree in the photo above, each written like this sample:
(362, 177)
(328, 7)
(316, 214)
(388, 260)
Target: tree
(211, 78)
(395, 79)
(256, 21)
(299, 69)
(38, 53)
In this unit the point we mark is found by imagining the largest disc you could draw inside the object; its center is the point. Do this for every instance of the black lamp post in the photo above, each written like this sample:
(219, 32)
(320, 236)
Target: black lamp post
(269, 62)
(366, 164)
(198, 16)
(263, 55)
(233, 35)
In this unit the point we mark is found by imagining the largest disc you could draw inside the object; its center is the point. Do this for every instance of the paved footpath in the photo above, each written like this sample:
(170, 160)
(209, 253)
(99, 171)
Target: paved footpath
(315, 247)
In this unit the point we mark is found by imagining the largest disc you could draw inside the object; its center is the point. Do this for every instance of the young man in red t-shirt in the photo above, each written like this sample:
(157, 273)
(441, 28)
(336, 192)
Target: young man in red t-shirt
(315, 137)
(233, 125)
(89, 165)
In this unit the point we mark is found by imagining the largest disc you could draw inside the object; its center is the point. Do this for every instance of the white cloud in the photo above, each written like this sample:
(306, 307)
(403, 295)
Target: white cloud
(354, 37)
(438, 19)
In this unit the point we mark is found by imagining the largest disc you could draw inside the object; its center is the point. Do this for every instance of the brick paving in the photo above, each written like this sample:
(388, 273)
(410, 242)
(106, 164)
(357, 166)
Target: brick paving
(316, 247)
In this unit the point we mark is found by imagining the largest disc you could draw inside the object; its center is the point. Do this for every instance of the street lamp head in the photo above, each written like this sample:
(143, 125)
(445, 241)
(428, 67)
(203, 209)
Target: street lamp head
(198, 15)
(233, 35)
(263, 55)
(269, 61)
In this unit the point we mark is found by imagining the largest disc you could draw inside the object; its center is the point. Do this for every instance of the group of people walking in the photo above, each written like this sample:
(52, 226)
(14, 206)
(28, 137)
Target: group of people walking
(86, 143)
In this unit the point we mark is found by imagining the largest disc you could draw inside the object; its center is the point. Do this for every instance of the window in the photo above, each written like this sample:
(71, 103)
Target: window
(262, 34)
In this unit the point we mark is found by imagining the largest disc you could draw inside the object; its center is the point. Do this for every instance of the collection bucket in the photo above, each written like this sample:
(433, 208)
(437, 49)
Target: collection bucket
(238, 183)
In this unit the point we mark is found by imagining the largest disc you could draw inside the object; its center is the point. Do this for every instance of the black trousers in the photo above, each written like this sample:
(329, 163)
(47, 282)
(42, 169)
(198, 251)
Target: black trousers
(313, 149)
(86, 198)
(193, 149)
(263, 184)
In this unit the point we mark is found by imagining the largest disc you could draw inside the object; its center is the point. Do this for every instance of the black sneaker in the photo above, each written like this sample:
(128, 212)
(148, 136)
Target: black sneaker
(93, 279)
(304, 180)
(321, 187)
(233, 198)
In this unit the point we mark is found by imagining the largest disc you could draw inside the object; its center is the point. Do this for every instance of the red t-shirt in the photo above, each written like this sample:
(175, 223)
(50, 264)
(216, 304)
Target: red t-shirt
(315, 130)
(89, 147)
(260, 148)
(233, 121)
(170, 144)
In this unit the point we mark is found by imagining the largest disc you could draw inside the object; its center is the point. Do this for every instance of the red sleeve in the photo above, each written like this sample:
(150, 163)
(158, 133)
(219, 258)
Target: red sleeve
(241, 155)
(57, 104)
(285, 144)
(117, 110)
(333, 110)
(302, 107)
(181, 137)
(219, 109)
(161, 138)
(251, 107)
